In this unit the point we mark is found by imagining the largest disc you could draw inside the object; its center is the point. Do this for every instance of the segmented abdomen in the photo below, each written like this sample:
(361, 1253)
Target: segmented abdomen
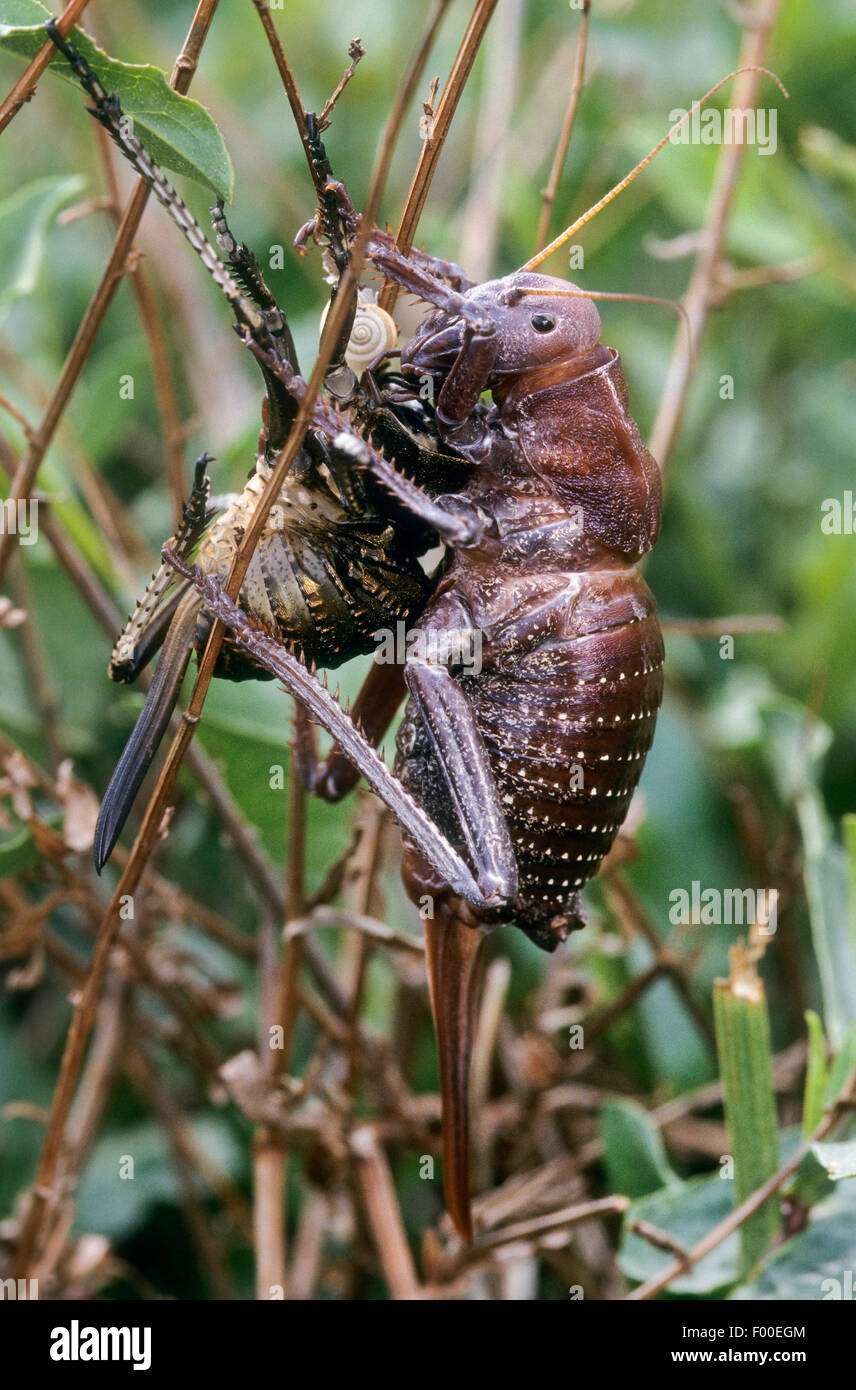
(568, 732)
(318, 580)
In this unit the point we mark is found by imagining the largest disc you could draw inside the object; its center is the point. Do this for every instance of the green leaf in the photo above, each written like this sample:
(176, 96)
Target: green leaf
(743, 1045)
(823, 1166)
(176, 131)
(635, 1154)
(848, 830)
(796, 746)
(18, 848)
(686, 1212)
(838, 1158)
(811, 1184)
(842, 1066)
(17, 852)
(817, 1264)
(25, 220)
(829, 154)
(130, 1172)
(815, 1074)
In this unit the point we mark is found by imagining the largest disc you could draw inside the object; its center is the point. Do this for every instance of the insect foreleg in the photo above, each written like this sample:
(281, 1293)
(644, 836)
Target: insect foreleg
(456, 278)
(242, 262)
(416, 276)
(461, 527)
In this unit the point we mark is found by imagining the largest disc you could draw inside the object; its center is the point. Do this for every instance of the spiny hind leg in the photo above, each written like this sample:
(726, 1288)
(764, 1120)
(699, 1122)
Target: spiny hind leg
(302, 683)
(372, 712)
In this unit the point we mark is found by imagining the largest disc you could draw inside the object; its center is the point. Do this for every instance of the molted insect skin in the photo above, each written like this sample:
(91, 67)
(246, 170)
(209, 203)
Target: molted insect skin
(318, 580)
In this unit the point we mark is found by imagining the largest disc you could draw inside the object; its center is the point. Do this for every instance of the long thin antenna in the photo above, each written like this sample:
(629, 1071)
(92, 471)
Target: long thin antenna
(628, 178)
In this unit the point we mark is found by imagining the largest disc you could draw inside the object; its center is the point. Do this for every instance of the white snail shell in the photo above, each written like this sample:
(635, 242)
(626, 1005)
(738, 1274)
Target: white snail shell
(374, 333)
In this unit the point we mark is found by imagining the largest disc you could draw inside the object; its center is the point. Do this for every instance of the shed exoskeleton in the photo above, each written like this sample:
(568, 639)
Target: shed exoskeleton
(338, 557)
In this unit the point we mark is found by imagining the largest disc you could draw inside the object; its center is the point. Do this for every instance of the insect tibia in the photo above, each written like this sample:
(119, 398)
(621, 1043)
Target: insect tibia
(79, 66)
(195, 512)
(335, 223)
(242, 262)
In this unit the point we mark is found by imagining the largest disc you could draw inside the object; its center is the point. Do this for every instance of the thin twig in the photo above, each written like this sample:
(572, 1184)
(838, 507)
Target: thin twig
(548, 197)
(497, 101)
(731, 1223)
(627, 906)
(702, 287)
(529, 1231)
(209, 1249)
(370, 927)
(270, 1148)
(440, 125)
(36, 666)
(81, 1023)
(384, 1214)
(742, 623)
(143, 1072)
(241, 837)
(153, 817)
(117, 265)
(26, 84)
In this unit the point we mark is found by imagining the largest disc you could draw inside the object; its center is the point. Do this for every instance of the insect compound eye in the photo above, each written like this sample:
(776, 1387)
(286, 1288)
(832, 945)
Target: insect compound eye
(542, 323)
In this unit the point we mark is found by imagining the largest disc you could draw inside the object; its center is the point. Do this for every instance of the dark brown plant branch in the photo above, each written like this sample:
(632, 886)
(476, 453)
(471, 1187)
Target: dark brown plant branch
(26, 84)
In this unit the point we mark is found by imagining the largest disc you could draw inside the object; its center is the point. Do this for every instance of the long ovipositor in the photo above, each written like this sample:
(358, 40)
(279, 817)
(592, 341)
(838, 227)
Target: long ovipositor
(524, 762)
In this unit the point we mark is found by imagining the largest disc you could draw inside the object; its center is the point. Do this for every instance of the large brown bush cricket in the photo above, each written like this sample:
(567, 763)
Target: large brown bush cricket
(512, 781)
